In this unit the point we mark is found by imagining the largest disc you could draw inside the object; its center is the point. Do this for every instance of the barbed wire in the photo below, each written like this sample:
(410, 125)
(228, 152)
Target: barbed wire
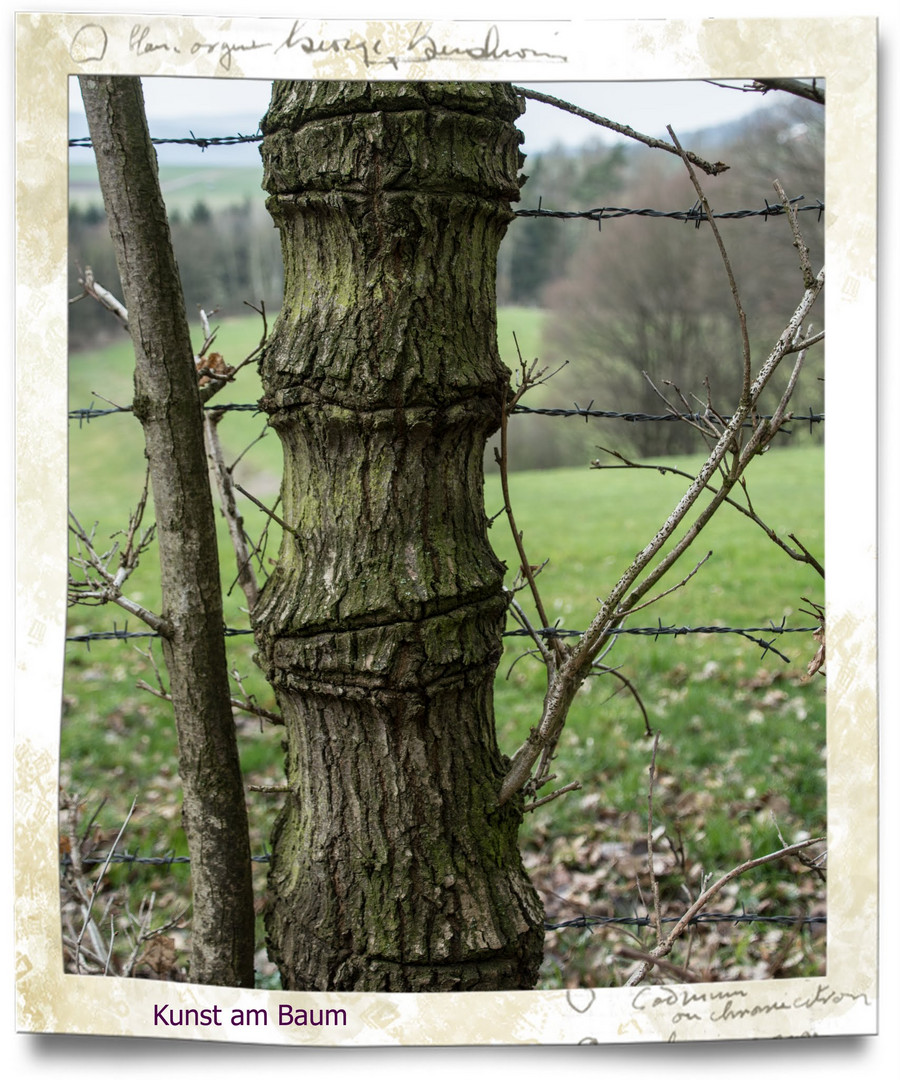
(658, 631)
(654, 632)
(85, 415)
(584, 922)
(587, 922)
(581, 922)
(84, 142)
(116, 634)
(547, 631)
(125, 857)
(697, 214)
(90, 413)
(642, 418)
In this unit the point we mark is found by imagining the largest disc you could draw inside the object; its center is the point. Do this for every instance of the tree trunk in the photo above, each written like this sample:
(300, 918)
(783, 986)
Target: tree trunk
(393, 869)
(167, 402)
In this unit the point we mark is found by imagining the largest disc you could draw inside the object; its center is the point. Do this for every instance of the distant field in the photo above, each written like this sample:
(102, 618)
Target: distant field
(742, 748)
(183, 186)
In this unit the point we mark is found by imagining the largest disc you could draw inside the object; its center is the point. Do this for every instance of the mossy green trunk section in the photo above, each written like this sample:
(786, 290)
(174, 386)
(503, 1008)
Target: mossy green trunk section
(380, 628)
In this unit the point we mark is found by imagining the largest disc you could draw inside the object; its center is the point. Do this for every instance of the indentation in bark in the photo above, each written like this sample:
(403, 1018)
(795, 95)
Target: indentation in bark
(393, 868)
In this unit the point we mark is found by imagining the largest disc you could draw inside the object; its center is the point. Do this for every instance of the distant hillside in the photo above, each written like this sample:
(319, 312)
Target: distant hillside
(226, 176)
(183, 186)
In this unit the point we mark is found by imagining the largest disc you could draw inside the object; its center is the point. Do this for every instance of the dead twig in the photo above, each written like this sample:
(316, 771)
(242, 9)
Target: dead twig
(574, 786)
(103, 296)
(654, 883)
(97, 582)
(665, 946)
(236, 703)
(621, 129)
(269, 513)
(530, 376)
(575, 663)
(88, 925)
(801, 555)
(682, 974)
(246, 578)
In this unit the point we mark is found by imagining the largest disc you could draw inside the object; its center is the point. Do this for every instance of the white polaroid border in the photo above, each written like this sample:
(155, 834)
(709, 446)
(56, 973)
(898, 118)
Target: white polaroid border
(52, 47)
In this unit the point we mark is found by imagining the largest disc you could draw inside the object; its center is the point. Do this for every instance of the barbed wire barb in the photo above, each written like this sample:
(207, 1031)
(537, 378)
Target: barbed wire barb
(696, 214)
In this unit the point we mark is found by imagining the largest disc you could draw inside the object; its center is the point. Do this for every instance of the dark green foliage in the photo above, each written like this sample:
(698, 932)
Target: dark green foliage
(537, 253)
(225, 255)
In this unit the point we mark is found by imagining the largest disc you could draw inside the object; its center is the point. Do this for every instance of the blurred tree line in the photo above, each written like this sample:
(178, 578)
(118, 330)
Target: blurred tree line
(224, 257)
(639, 295)
(650, 294)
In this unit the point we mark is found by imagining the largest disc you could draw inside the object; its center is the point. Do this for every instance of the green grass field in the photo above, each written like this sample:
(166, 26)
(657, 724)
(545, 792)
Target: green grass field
(742, 733)
(183, 186)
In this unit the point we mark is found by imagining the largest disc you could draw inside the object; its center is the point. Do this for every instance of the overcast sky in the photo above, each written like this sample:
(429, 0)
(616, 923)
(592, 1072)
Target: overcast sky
(177, 106)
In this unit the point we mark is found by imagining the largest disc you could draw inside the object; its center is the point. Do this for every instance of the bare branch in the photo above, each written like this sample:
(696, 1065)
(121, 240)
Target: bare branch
(88, 923)
(665, 946)
(245, 704)
(802, 250)
(530, 377)
(246, 449)
(810, 91)
(619, 602)
(682, 974)
(209, 336)
(522, 619)
(98, 584)
(816, 664)
(265, 509)
(602, 670)
(805, 343)
(679, 585)
(211, 388)
(103, 296)
(803, 555)
(742, 318)
(225, 483)
(621, 129)
(654, 883)
(236, 703)
(574, 786)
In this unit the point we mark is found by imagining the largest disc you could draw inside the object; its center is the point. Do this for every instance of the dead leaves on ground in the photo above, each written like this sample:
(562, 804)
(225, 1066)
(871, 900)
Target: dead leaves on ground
(604, 872)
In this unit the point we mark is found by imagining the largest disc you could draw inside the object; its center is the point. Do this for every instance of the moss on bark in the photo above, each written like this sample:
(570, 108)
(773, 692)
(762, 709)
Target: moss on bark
(380, 628)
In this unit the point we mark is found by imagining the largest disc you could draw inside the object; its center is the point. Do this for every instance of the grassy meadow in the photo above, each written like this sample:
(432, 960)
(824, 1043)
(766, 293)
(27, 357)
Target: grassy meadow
(742, 733)
(183, 186)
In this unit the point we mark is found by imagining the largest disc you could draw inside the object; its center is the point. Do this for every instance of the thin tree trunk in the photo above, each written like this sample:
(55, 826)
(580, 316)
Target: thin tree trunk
(167, 403)
(393, 868)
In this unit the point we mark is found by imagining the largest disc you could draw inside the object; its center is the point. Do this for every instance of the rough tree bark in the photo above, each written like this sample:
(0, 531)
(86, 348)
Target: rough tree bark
(393, 868)
(167, 402)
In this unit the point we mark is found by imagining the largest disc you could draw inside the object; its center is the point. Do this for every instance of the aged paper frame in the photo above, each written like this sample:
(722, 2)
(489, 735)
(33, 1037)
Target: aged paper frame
(50, 48)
